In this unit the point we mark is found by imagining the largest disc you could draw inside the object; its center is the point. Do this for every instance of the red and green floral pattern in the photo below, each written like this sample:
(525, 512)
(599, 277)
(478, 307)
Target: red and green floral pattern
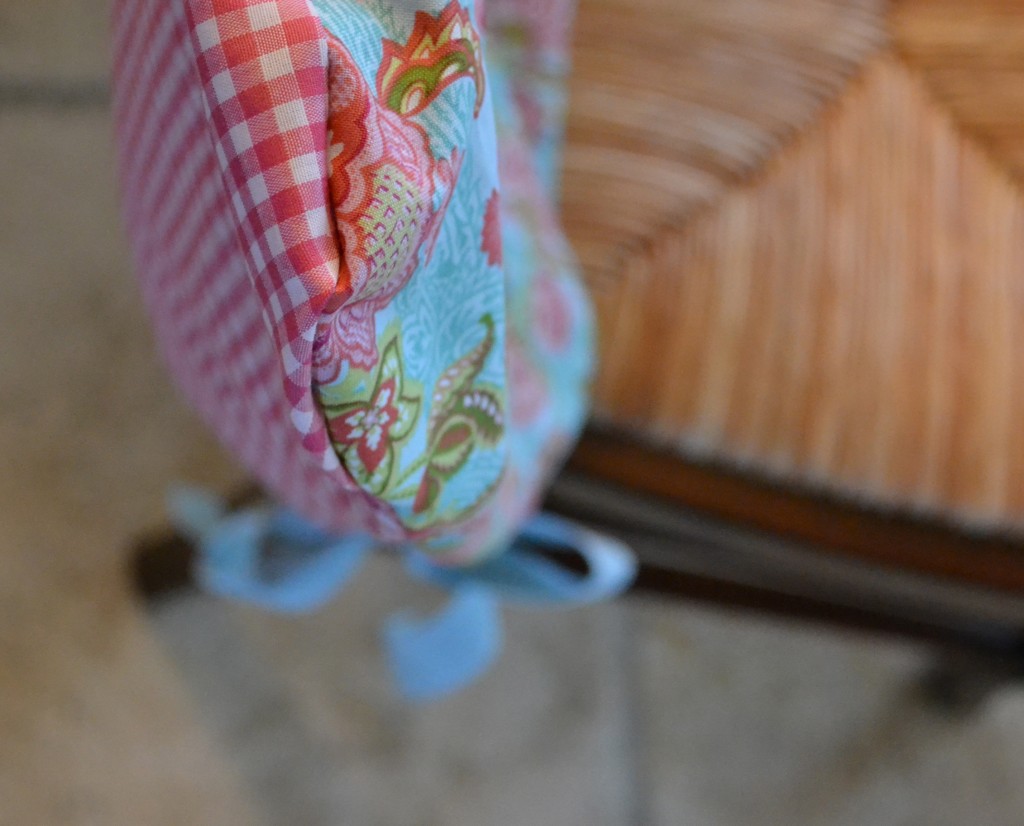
(367, 432)
(439, 51)
(452, 357)
(389, 192)
(464, 415)
(372, 430)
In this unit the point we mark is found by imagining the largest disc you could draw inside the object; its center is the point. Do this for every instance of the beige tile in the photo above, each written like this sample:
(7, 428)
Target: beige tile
(94, 724)
(546, 737)
(752, 722)
(305, 708)
(931, 770)
(62, 41)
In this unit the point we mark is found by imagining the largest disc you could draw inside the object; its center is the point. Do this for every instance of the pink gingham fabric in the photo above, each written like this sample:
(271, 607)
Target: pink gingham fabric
(220, 108)
(341, 219)
(343, 222)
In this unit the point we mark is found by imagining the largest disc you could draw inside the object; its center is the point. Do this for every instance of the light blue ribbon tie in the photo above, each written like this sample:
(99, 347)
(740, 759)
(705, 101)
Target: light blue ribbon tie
(277, 560)
(269, 557)
(522, 575)
(433, 657)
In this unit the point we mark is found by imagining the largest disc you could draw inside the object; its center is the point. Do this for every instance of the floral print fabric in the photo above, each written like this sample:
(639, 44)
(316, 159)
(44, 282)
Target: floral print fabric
(424, 306)
(436, 159)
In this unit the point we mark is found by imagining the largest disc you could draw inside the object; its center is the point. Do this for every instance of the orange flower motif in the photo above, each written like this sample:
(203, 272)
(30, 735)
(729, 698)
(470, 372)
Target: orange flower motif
(439, 51)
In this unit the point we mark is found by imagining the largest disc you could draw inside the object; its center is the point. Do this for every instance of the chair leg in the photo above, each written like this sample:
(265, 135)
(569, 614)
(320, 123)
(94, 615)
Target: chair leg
(162, 562)
(960, 681)
(161, 566)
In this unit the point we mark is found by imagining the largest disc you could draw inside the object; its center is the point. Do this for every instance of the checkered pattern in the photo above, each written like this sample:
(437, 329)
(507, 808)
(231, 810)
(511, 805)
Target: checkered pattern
(263, 68)
(221, 117)
(221, 112)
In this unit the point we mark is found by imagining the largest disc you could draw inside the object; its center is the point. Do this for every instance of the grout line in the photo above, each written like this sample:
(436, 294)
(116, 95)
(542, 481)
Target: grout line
(20, 94)
(638, 805)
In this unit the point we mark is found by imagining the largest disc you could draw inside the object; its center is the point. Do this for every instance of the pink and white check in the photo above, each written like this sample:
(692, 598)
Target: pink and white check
(343, 229)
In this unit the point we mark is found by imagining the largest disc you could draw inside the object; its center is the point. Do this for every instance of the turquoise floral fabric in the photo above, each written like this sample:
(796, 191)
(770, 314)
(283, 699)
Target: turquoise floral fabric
(451, 362)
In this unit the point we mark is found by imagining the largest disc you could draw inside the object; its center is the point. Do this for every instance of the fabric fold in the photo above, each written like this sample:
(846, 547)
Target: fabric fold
(342, 218)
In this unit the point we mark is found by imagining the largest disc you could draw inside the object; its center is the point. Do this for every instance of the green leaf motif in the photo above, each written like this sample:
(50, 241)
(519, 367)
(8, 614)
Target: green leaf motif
(463, 416)
(458, 378)
(427, 495)
(483, 408)
(453, 448)
(368, 428)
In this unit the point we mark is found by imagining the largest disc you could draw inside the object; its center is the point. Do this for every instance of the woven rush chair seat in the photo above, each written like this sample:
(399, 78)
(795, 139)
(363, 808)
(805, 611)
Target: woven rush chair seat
(803, 225)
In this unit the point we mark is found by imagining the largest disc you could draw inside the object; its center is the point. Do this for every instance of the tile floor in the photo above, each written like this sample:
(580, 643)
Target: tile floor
(631, 714)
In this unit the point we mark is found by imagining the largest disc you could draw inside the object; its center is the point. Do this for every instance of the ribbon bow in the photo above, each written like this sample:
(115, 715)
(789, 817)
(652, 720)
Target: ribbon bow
(270, 557)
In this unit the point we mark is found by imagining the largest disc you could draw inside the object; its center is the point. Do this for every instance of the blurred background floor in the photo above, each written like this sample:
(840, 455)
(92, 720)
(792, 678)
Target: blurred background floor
(200, 712)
